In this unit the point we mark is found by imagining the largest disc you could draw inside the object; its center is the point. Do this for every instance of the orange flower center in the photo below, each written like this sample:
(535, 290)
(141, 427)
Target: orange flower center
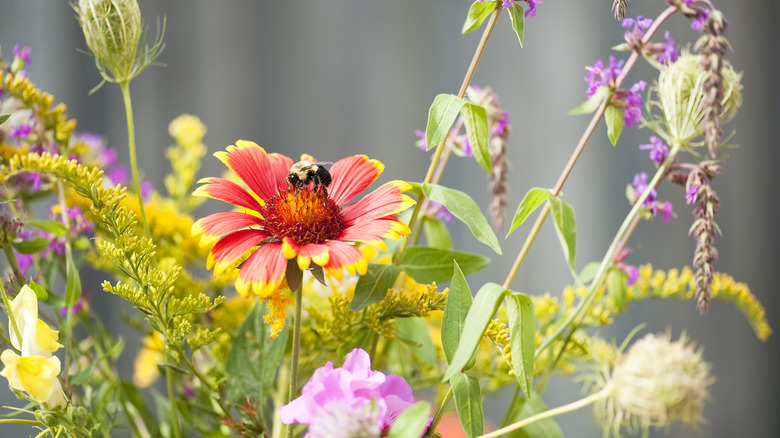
(305, 217)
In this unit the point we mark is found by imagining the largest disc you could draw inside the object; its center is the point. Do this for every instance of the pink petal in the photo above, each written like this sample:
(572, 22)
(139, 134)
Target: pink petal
(351, 176)
(228, 191)
(373, 231)
(280, 166)
(263, 271)
(250, 162)
(384, 201)
(343, 255)
(305, 253)
(219, 224)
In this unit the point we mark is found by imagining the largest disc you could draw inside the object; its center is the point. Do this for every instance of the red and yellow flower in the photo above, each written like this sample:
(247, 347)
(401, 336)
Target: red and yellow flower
(278, 223)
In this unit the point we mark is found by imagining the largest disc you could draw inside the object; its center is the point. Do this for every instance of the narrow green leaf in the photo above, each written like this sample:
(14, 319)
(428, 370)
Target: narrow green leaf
(82, 376)
(475, 120)
(478, 12)
(414, 331)
(40, 292)
(546, 428)
(412, 422)
(5, 117)
(464, 208)
(436, 233)
(372, 287)
(31, 246)
(73, 283)
(588, 273)
(53, 227)
(563, 217)
(531, 201)
(517, 15)
(428, 265)
(617, 287)
(614, 118)
(455, 311)
(468, 403)
(441, 116)
(592, 104)
(522, 335)
(481, 312)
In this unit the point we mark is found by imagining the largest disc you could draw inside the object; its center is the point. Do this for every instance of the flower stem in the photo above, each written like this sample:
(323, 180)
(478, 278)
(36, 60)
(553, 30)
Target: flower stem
(605, 262)
(172, 401)
(133, 162)
(573, 406)
(296, 347)
(9, 254)
(11, 317)
(440, 148)
(440, 412)
(581, 146)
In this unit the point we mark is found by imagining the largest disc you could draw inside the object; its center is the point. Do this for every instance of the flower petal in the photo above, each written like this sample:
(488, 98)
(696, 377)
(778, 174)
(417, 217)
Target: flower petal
(373, 231)
(250, 162)
(351, 176)
(305, 253)
(384, 201)
(263, 271)
(216, 225)
(280, 166)
(344, 255)
(228, 191)
(232, 246)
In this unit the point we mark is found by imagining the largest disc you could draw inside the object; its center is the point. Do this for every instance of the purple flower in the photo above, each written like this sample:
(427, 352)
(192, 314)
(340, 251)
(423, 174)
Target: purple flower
(640, 185)
(690, 195)
(24, 261)
(146, 189)
(118, 174)
(20, 131)
(531, 11)
(599, 76)
(666, 210)
(421, 142)
(700, 19)
(669, 54)
(634, 104)
(501, 124)
(507, 3)
(465, 146)
(658, 150)
(440, 212)
(23, 53)
(352, 396)
(641, 22)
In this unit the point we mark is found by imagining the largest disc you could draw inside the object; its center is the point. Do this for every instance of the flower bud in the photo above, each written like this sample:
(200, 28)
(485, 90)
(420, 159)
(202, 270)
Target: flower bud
(656, 383)
(682, 96)
(112, 29)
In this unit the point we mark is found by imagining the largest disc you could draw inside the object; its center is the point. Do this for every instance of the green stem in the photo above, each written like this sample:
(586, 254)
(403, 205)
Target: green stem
(605, 262)
(279, 400)
(172, 401)
(7, 303)
(573, 406)
(440, 412)
(9, 254)
(441, 146)
(133, 162)
(296, 347)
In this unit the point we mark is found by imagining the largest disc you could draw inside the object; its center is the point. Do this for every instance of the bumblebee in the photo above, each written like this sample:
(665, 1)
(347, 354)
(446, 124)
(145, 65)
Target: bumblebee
(304, 172)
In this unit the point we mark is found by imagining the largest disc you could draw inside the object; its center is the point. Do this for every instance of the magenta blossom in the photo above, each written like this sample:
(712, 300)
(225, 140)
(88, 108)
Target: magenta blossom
(658, 150)
(353, 399)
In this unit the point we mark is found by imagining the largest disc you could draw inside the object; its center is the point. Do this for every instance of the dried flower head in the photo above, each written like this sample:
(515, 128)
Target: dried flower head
(682, 97)
(655, 383)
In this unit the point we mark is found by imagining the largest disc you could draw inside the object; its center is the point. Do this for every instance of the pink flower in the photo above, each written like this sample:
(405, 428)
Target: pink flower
(353, 399)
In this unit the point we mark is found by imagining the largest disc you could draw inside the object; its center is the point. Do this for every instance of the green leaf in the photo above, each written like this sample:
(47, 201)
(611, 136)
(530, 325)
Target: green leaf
(475, 120)
(517, 15)
(464, 208)
(455, 311)
(617, 287)
(441, 116)
(524, 408)
(53, 227)
(522, 336)
(532, 200)
(481, 312)
(563, 217)
(436, 233)
(372, 287)
(414, 331)
(132, 396)
(6, 200)
(614, 118)
(412, 422)
(82, 376)
(588, 273)
(31, 246)
(73, 283)
(593, 103)
(426, 264)
(40, 292)
(3, 118)
(478, 12)
(468, 403)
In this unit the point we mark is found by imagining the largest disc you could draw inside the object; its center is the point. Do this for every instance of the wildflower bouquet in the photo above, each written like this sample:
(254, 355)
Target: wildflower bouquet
(325, 314)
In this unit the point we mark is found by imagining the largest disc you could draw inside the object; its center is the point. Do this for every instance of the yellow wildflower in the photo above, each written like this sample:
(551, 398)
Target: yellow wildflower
(146, 371)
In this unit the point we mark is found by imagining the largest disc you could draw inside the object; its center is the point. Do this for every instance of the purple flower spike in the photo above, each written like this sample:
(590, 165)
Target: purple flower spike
(23, 53)
(640, 185)
(669, 54)
(598, 75)
(658, 150)
(698, 22)
(690, 195)
(634, 104)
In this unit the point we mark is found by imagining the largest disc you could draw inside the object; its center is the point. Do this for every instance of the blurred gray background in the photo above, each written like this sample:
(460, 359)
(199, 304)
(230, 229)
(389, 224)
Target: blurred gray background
(341, 77)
